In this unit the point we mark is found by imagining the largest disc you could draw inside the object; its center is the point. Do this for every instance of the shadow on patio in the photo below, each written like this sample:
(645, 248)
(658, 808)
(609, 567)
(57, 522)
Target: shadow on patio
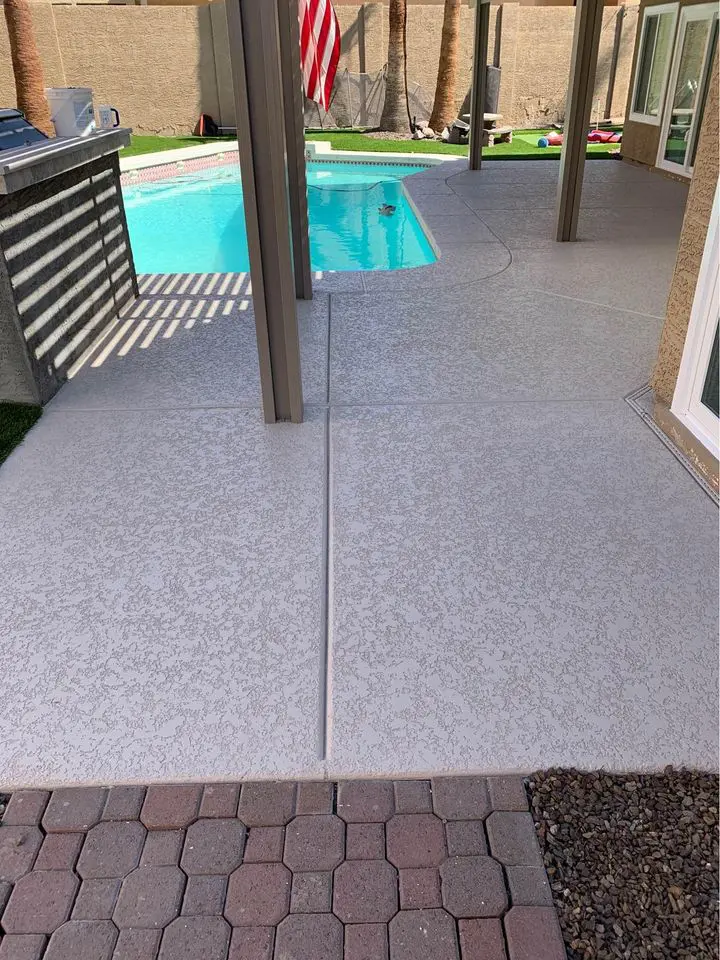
(473, 555)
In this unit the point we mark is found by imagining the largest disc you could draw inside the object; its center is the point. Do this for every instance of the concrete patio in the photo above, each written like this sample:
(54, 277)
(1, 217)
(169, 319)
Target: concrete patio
(473, 556)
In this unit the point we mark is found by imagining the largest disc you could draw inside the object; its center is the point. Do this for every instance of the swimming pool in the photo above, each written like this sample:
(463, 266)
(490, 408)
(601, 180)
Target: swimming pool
(194, 223)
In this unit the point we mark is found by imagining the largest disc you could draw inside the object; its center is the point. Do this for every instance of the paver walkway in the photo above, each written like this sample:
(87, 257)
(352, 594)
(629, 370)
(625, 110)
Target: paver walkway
(361, 870)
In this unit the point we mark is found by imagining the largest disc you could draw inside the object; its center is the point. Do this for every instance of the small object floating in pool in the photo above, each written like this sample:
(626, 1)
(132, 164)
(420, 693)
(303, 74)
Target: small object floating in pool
(386, 209)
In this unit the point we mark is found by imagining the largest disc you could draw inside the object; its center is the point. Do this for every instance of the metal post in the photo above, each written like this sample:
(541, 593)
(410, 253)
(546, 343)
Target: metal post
(295, 143)
(477, 99)
(255, 60)
(586, 42)
(619, 17)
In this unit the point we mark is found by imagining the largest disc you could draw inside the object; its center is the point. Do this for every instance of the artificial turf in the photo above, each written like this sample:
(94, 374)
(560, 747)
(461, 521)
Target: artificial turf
(15, 421)
(523, 147)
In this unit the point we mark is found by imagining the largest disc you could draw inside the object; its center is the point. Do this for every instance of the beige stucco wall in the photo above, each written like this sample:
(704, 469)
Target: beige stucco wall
(690, 251)
(641, 141)
(162, 66)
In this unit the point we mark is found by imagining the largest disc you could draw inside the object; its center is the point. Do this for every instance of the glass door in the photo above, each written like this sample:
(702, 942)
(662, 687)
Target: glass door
(695, 402)
(694, 49)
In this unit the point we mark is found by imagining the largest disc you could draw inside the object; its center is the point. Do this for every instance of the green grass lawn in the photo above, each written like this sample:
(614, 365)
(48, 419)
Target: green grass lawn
(15, 421)
(523, 147)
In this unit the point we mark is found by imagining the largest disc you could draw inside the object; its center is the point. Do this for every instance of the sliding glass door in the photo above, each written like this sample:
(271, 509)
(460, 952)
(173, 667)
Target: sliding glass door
(687, 92)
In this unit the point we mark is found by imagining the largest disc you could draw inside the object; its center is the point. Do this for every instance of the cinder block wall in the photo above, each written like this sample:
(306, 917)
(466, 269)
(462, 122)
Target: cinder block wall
(163, 65)
(690, 250)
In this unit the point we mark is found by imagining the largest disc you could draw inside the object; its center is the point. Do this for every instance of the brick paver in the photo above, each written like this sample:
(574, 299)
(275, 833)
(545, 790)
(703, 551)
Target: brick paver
(170, 806)
(365, 801)
(190, 938)
(83, 940)
(23, 946)
(533, 933)
(361, 870)
(513, 840)
(315, 842)
(26, 808)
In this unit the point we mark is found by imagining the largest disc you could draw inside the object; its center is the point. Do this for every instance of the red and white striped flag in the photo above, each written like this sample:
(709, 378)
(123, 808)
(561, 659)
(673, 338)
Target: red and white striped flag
(319, 48)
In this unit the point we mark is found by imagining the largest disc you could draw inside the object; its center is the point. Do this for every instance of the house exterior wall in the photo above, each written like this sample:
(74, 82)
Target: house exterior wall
(690, 250)
(641, 141)
(164, 65)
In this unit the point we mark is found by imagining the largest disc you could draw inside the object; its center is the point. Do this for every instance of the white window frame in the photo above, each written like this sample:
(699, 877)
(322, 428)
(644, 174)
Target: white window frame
(648, 12)
(687, 405)
(693, 12)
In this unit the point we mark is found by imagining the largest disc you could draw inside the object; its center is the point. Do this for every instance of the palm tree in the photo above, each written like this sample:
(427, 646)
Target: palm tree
(395, 110)
(27, 68)
(444, 109)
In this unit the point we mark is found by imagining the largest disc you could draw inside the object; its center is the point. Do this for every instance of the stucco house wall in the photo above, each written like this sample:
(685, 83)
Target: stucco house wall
(690, 250)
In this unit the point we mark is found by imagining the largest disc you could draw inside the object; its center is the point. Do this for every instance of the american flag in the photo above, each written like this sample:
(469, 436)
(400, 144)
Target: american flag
(319, 48)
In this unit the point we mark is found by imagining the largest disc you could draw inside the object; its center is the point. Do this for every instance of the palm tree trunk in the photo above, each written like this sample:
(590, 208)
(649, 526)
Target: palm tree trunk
(445, 106)
(27, 68)
(394, 116)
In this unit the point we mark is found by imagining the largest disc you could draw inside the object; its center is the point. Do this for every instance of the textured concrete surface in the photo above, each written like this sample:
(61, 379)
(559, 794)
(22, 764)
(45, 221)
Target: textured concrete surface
(500, 557)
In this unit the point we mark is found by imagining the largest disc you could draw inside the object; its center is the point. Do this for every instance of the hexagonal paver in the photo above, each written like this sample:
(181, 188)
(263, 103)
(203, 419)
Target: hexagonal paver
(533, 933)
(213, 846)
(252, 943)
(314, 842)
(74, 809)
(365, 801)
(264, 845)
(420, 889)
(423, 935)
(466, 838)
(24, 946)
(413, 796)
(191, 937)
(123, 803)
(40, 902)
(220, 800)
(365, 891)
(366, 941)
(415, 840)
(508, 793)
(83, 940)
(96, 900)
(482, 938)
(150, 897)
(137, 944)
(19, 847)
(170, 806)
(258, 895)
(365, 841)
(316, 936)
(25, 808)
(311, 893)
(315, 797)
(473, 887)
(268, 804)
(461, 798)
(204, 896)
(112, 849)
(513, 840)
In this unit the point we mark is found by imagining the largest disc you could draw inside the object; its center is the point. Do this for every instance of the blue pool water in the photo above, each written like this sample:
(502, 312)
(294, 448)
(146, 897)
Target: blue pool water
(194, 223)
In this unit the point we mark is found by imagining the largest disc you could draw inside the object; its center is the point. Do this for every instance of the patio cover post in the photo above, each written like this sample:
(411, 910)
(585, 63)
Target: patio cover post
(255, 60)
(295, 144)
(586, 42)
(477, 96)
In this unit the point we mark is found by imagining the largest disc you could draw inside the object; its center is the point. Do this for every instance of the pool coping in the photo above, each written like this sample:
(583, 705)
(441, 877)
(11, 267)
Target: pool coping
(314, 149)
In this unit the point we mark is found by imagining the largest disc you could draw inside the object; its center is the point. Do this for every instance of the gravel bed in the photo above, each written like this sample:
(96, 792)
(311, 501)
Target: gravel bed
(632, 861)
(4, 797)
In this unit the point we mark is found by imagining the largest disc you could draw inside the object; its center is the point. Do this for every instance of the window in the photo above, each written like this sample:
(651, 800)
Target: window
(653, 62)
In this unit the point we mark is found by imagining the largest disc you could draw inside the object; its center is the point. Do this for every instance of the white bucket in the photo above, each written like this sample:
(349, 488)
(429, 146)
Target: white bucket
(71, 109)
